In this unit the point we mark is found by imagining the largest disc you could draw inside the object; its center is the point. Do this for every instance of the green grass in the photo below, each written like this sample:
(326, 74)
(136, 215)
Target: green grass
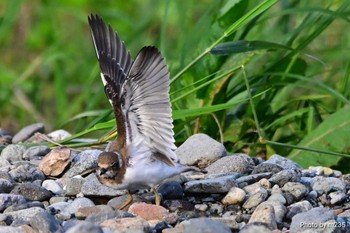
(294, 55)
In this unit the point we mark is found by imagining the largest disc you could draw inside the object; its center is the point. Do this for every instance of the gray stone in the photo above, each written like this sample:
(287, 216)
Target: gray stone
(85, 227)
(4, 162)
(57, 207)
(328, 184)
(84, 212)
(18, 229)
(74, 206)
(200, 150)
(337, 197)
(282, 177)
(203, 225)
(100, 217)
(255, 197)
(53, 186)
(44, 222)
(234, 196)
(285, 163)
(279, 209)
(23, 206)
(59, 135)
(264, 213)
(296, 189)
(313, 220)
(26, 214)
(255, 227)
(171, 190)
(83, 162)
(73, 186)
(92, 187)
(267, 167)
(32, 192)
(27, 132)
(5, 186)
(36, 153)
(13, 153)
(215, 185)
(201, 207)
(7, 200)
(298, 207)
(231, 163)
(26, 173)
(253, 178)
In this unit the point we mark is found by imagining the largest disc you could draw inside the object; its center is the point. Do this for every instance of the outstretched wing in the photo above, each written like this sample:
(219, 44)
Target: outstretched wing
(147, 106)
(115, 60)
(115, 63)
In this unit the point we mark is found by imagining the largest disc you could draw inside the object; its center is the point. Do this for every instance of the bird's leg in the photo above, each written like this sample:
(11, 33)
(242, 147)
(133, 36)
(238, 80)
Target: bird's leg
(157, 197)
(130, 199)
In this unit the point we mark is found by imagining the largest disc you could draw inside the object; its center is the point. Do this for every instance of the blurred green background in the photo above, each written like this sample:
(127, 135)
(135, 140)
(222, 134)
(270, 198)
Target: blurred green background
(295, 55)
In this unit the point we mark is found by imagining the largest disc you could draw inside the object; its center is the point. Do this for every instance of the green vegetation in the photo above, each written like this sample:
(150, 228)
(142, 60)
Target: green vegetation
(293, 56)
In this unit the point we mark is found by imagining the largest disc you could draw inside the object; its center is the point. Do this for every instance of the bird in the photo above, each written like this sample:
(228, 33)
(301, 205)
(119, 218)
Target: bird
(143, 154)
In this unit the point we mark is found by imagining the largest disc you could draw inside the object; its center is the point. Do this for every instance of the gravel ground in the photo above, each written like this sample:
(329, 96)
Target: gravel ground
(56, 190)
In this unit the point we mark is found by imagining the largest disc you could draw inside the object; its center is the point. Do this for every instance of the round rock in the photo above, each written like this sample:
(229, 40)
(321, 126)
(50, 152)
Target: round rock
(234, 196)
(230, 163)
(36, 153)
(27, 132)
(32, 192)
(200, 150)
(264, 213)
(171, 190)
(200, 225)
(13, 152)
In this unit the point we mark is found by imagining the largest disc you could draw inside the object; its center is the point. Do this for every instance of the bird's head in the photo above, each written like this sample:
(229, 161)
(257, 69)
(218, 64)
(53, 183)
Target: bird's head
(108, 167)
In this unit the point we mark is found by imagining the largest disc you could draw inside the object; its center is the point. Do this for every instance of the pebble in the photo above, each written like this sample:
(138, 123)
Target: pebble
(215, 185)
(200, 225)
(235, 196)
(327, 184)
(36, 153)
(285, 163)
(32, 192)
(92, 187)
(27, 132)
(25, 215)
(206, 151)
(231, 163)
(55, 162)
(7, 200)
(297, 190)
(26, 173)
(6, 186)
(298, 207)
(73, 186)
(171, 190)
(126, 225)
(59, 135)
(267, 167)
(84, 212)
(284, 176)
(53, 186)
(337, 197)
(85, 227)
(264, 213)
(314, 219)
(45, 222)
(255, 227)
(255, 197)
(13, 153)
(149, 211)
(83, 162)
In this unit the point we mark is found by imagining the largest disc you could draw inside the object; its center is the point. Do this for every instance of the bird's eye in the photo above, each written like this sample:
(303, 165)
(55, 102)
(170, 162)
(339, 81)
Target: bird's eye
(115, 165)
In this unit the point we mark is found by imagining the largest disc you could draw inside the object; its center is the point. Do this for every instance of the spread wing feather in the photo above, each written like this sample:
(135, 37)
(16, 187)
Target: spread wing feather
(148, 105)
(138, 92)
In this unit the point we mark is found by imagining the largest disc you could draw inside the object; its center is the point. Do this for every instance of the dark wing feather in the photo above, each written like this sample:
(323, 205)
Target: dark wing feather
(115, 63)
